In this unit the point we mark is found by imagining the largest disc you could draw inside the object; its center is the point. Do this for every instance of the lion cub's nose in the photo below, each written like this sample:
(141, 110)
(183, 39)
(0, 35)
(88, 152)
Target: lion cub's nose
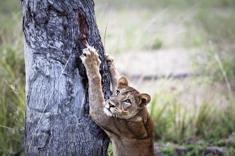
(111, 103)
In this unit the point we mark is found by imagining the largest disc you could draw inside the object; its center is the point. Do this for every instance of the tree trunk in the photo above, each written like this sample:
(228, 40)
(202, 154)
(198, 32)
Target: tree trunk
(57, 111)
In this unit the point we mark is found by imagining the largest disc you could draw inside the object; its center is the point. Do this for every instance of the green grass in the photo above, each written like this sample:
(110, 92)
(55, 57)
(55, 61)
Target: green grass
(11, 101)
(12, 80)
(110, 151)
(192, 126)
(180, 122)
(169, 149)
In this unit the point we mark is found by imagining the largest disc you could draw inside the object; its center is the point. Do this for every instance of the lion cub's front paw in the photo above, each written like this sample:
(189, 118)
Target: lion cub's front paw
(90, 57)
(109, 60)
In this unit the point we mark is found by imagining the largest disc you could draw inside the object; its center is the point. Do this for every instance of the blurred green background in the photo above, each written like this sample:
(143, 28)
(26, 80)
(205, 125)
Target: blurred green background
(182, 52)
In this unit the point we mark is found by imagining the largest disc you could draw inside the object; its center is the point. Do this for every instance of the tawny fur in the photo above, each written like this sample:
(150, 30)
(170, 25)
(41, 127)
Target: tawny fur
(124, 116)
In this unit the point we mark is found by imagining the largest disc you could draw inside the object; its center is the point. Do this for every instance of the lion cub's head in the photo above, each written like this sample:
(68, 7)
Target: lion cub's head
(126, 102)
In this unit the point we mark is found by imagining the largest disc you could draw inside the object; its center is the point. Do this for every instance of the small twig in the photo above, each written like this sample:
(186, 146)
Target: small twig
(2, 126)
(105, 33)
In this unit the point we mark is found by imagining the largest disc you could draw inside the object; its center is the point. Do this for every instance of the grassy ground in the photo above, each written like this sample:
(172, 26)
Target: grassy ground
(195, 112)
(11, 79)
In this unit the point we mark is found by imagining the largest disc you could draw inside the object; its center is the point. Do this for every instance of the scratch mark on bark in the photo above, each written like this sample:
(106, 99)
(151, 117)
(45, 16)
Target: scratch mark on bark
(83, 26)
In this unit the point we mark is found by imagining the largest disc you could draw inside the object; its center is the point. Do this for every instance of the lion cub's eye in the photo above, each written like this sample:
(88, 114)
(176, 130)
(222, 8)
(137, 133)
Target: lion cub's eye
(127, 101)
(117, 92)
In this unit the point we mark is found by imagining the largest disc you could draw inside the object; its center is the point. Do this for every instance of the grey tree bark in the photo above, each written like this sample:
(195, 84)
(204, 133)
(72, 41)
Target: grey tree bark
(57, 112)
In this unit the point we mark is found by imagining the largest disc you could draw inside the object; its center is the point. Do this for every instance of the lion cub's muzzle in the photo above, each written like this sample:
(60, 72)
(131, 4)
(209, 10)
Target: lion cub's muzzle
(111, 108)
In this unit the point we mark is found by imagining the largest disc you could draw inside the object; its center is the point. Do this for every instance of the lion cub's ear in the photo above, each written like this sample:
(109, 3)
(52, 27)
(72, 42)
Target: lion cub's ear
(144, 99)
(122, 82)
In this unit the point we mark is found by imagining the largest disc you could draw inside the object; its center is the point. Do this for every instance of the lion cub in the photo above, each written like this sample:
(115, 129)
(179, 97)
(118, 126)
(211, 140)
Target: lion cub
(123, 116)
